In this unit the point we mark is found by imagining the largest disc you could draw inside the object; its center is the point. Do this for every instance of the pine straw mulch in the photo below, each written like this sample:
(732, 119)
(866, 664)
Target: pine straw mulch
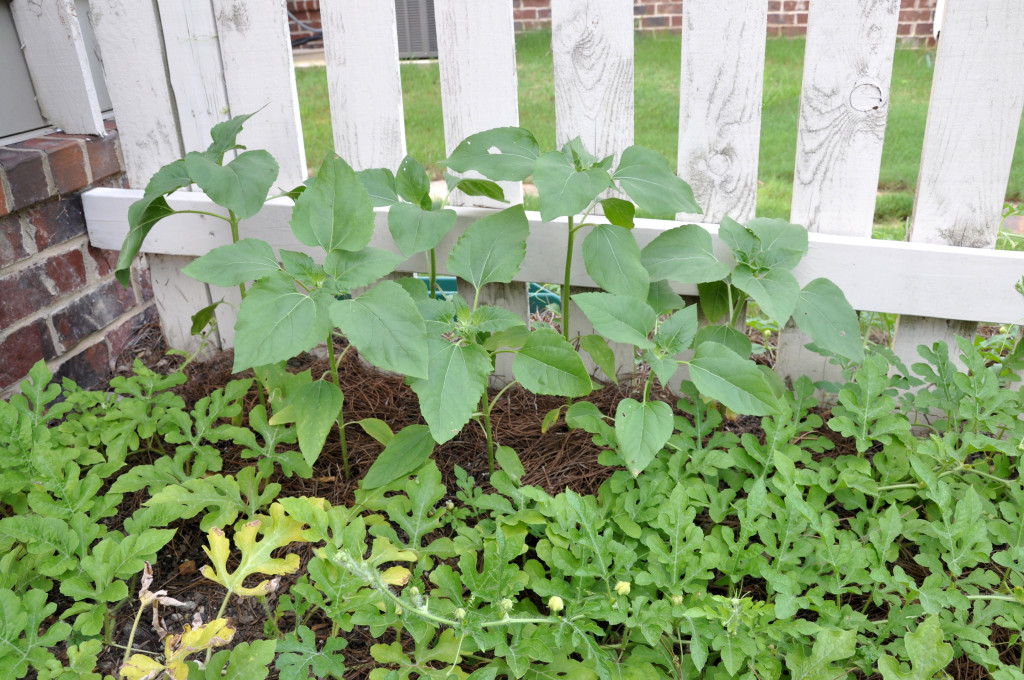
(556, 460)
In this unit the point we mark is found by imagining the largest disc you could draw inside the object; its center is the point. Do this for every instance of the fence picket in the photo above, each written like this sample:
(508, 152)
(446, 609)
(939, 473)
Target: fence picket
(843, 107)
(255, 47)
(128, 35)
(364, 82)
(479, 90)
(54, 48)
(722, 79)
(844, 103)
(973, 115)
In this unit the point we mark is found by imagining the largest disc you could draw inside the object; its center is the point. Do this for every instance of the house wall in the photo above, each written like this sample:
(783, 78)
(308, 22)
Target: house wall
(785, 17)
(59, 300)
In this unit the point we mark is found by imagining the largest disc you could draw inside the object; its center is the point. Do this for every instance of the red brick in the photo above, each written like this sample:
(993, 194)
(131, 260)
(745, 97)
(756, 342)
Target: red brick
(67, 164)
(776, 19)
(669, 8)
(801, 19)
(915, 15)
(544, 14)
(904, 29)
(106, 260)
(26, 178)
(641, 9)
(524, 14)
(24, 293)
(22, 349)
(89, 369)
(795, 5)
(91, 312)
(103, 156)
(535, 3)
(794, 31)
(12, 248)
(908, 4)
(774, 5)
(57, 221)
(924, 29)
(654, 22)
(677, 21)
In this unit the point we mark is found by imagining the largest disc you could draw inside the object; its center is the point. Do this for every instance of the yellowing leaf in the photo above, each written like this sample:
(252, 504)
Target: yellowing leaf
(177, 648)
(140, 666)
(277, 531)
(397, 576)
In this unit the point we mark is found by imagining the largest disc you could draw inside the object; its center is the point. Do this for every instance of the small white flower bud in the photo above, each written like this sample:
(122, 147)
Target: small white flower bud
(505, 605)
(622, 587)
(555, 604)
(676, 599)
(460, 614)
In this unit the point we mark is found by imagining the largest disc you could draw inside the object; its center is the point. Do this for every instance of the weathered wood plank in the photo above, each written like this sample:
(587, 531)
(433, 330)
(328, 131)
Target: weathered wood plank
(722, 79)
(128, 34)
(479, 85)
(177, 298)
(973, 116)
(54, 48)
(843, 107)
(479, 90)
(364, 83)
(882, 276)
(195, 68)
(592, 49)
(196, 74)
(255, 47)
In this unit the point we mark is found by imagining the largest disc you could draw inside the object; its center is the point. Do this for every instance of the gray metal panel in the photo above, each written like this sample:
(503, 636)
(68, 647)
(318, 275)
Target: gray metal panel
(417, 36)
(18, 109)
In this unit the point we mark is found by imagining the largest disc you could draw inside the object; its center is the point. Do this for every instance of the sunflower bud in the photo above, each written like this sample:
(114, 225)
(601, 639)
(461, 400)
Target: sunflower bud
(622, 587)
(555, 604)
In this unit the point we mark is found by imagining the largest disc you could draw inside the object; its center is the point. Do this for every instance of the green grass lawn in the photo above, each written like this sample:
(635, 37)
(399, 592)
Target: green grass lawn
(657, 115)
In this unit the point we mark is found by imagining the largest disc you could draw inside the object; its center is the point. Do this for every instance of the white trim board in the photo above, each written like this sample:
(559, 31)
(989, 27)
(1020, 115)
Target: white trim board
(922, 279)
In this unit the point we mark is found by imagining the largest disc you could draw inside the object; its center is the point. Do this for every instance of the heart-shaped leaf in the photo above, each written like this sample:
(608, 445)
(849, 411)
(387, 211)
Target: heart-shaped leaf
(492, 249)
(241, 185)
(246, 260)
(641, 430)
(506, 153)
(647, 178)
(450, 395)
(548, 364)
(612, 258)
(335, 211)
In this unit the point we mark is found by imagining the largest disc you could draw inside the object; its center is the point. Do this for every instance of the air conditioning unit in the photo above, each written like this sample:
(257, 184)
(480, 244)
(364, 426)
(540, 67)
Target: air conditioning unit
(417, 36)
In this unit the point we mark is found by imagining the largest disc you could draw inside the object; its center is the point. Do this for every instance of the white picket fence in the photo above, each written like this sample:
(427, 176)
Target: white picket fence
(175, 68)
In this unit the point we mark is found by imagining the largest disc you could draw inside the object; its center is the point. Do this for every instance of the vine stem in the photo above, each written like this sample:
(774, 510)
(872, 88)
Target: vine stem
(433, 273)
(131, 636)
(565, 285)
(220, 614)
(341, 414)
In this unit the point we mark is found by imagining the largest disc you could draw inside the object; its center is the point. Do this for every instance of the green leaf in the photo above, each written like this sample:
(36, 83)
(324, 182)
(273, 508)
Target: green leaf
(353, 269)
(647, 178)
(601, 354)
(476, 187)
(380, 185)
(203, 318)
(676, 333)
(224, 136)
(410, 448)
(612, 258)
(506, 153)
(776, 292)
(547, 364)
(715, 302)
(782, 244)
(276, 322)
(142, 215)
(246, 260)
(619, 212)
(246, 661)
(335, 211)
(641, 431)
(218, 497)
(492, 249)
(385, 326)
(684, 254)
(487, 319)
(725, 335)
(824, 314)
(928, 653)
(563, 190)
(241, 185)
(619, 318)
(167, 179)
(725, 376)
(744, 245)
(376, 428)
(314, 408)
(663, 299)
(412, 182)
(829, 646)
(456, 379)
(416, 230)
(298, 656)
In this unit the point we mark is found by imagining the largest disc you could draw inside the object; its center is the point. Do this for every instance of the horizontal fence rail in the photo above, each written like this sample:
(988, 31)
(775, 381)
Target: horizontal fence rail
(880, 276)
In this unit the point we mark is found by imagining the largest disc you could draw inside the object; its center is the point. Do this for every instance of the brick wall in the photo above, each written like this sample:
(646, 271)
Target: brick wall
(785, 17)
(59, 300)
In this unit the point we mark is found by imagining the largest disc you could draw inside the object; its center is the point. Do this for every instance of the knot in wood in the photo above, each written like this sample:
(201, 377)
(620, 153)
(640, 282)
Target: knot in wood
(866, 97)
(719, 164)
